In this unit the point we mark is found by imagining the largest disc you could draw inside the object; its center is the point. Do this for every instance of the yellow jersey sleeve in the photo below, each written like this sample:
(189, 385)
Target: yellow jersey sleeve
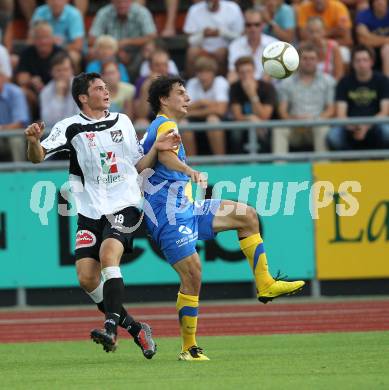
(165, 127)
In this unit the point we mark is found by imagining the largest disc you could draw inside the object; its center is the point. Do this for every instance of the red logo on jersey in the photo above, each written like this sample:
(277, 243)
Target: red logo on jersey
(108, 162)
(85, 239)
(91, 139)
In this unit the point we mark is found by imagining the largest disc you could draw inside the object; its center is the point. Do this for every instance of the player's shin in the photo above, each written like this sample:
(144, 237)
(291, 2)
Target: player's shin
(126, 321)
(254, 250)
(113, 291)
(187, 309)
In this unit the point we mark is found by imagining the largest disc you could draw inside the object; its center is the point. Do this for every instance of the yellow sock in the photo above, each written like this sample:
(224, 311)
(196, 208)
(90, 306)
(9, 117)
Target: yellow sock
(253, 249)
(187, 308)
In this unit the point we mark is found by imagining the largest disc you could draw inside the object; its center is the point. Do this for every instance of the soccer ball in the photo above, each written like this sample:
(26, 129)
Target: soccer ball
(280, 59)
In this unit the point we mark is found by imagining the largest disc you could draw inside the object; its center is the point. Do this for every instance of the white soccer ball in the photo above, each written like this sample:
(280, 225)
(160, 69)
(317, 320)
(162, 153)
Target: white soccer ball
(280, 59)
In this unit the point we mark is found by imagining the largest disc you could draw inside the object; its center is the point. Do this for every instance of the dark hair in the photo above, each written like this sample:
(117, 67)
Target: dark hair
(244, 61)
(81, 84)
(59, 59)
(358, 48)
(161, 87)
(307, 46)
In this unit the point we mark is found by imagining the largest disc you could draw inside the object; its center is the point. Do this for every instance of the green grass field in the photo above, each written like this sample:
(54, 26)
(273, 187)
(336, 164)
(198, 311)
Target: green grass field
(304, 361)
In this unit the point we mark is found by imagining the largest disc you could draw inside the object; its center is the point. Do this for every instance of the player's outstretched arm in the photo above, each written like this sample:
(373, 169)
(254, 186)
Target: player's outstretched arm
(35, 151)
(168, 141)
(172, 162)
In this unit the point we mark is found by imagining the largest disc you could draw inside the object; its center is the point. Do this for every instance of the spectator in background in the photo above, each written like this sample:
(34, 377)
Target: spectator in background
(106, 49)
(251, 99)
(171, 15)
(336, 19)
(159, 66)
(27, 7)
(279, 19)
(372, 27)
(5, 62)
(209, 102)
(121, 93)
(33, 70)
(56, 101)
(211, 26)
(307, 94)
(330, 58)
(82, 5)
(171, 6)
(13, 115)
(251, 44)
(131, 24)
(356, 5)
(362, 93)
(67, 24)
(148, 49)
(6, 29)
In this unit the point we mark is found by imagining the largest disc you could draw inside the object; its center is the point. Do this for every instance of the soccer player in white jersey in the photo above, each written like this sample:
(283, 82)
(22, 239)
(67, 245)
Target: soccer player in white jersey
(105, 159)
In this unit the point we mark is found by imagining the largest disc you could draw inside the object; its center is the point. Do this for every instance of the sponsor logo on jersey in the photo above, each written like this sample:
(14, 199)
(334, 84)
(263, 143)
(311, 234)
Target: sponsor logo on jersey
(185, 230)
(108, 163)
(190, 237)
(109, 179)
(54, 134)
(117, 136)
(85, 239)
(91, 139)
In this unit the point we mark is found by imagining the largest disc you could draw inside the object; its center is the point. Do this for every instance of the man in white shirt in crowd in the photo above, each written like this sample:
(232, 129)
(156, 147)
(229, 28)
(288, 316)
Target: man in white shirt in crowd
(56, 101)
(211, 26)
(250, 44)
(209, 103)
(5, 62)
(307, 94)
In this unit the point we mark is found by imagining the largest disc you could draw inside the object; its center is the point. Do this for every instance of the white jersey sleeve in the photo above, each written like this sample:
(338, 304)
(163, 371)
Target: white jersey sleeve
(56, 140)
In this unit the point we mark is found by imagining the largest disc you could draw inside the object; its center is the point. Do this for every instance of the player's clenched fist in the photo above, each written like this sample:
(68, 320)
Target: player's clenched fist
(34, 132)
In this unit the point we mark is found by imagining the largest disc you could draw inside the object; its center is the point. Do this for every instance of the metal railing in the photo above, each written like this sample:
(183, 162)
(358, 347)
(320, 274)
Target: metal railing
(252, 145)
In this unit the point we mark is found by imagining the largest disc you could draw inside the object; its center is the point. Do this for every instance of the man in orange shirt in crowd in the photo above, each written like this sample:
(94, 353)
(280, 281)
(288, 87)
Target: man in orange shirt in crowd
(336, 20)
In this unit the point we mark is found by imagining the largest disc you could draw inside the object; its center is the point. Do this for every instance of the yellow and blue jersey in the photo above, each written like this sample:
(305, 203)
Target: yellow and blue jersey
(172, 218)
(162, 124)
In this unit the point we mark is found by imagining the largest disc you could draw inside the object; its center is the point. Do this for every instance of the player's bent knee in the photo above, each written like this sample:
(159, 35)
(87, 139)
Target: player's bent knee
(251, 217)
(88, 282)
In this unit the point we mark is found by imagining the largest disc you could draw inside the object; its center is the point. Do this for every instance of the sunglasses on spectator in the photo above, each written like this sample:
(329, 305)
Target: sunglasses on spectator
(257, 24)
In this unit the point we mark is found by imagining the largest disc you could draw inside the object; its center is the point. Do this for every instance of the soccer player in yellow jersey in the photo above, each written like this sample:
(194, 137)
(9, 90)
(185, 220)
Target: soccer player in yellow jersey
(179, 222)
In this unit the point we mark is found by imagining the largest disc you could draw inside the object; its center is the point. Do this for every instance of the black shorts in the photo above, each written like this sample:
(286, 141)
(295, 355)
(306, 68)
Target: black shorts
(92, 232)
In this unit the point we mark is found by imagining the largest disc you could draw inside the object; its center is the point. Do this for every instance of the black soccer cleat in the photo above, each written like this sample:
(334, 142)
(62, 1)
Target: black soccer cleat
(145, 341)
(107, 339)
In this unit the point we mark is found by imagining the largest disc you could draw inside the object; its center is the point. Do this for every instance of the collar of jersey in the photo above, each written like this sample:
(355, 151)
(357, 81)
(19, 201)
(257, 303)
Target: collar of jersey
(160, 114)
(82, 114)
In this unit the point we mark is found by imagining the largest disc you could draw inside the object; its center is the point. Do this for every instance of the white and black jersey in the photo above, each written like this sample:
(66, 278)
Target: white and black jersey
(103, 155)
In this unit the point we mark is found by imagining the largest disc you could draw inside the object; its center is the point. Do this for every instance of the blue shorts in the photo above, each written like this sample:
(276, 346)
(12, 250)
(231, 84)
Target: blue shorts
(177, 239)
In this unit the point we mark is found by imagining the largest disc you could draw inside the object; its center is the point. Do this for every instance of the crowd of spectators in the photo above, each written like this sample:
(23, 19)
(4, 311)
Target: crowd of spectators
(344, 66)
